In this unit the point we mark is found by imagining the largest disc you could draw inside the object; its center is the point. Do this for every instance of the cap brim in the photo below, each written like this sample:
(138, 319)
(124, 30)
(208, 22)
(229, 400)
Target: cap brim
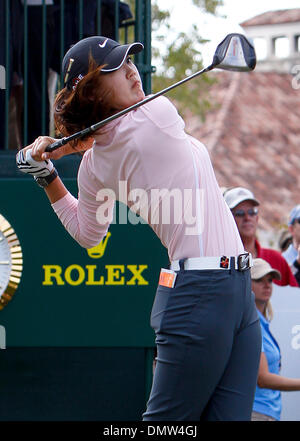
(294, 218)
(118, 55)
(274, 273)
(243, 199)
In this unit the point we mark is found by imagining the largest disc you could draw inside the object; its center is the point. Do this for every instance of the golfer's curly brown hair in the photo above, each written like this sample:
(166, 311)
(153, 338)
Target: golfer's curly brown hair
(83, 106)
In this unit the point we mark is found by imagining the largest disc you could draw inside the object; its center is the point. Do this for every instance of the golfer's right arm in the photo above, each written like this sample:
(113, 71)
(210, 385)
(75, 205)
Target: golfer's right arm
(78, 216)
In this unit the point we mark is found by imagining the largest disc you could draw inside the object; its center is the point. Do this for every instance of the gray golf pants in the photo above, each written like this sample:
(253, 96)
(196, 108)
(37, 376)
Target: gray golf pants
(208, 348)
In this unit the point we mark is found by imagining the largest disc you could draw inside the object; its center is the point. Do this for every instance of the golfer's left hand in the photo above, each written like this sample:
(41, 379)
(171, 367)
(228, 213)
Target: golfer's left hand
(27, 164)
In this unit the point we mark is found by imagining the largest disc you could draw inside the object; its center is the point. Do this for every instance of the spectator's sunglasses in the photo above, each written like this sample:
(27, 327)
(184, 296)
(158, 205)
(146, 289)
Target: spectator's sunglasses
(297, 221)
(242, 213)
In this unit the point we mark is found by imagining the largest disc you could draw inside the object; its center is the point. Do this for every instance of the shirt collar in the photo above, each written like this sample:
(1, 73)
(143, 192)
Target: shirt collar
(263, 318)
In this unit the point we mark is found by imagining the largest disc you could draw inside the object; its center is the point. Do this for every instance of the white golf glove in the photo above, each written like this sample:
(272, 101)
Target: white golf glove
(27, 164)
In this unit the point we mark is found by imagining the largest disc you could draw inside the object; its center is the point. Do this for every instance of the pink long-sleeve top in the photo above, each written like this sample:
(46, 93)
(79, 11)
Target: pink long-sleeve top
(146, 160)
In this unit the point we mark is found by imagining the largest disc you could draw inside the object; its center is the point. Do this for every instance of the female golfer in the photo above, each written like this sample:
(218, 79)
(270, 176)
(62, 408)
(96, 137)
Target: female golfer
(207, 328)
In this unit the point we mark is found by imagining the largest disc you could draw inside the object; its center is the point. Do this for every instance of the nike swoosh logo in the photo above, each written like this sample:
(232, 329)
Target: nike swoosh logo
(103, 44)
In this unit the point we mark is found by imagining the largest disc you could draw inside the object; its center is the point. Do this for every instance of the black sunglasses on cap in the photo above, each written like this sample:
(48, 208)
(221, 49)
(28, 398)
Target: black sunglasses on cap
(242, 213)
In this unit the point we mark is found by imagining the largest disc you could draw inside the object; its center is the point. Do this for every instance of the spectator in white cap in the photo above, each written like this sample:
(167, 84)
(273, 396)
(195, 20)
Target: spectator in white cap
(244, 207)
(292, 254)
(267, 402)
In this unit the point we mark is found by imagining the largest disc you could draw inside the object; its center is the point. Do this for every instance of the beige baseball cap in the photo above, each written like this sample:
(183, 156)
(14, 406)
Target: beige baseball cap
(261, 268)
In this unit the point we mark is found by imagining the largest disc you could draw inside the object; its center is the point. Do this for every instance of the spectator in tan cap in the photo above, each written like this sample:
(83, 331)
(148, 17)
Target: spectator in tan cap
(244, 207)
(267, 402)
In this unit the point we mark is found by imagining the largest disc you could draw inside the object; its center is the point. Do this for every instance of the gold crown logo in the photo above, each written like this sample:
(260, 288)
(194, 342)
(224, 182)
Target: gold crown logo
(98, 251)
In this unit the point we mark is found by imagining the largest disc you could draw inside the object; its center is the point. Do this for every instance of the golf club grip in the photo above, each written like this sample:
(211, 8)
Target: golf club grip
(55, 145)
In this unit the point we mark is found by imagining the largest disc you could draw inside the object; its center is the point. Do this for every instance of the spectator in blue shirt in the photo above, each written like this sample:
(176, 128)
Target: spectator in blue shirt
(292, 254)
(267, 401)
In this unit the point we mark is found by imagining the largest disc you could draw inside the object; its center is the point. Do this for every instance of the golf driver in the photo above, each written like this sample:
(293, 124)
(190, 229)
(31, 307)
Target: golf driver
(234, 53)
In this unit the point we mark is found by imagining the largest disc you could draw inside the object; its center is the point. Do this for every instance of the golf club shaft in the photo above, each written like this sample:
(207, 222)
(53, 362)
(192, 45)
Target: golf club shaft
(94, 127)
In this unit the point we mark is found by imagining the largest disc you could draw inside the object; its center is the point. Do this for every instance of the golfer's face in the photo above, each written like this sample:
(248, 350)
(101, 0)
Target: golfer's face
(125, 86)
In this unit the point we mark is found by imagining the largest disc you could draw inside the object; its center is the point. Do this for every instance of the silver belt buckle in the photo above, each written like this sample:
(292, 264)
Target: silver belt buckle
(243, 261)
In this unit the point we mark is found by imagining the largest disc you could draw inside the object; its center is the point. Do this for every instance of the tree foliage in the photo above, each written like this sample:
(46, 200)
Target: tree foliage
(182, 58)
(209, 6)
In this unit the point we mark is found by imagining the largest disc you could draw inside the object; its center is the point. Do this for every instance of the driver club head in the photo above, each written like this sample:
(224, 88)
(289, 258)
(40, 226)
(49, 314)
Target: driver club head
(235, 53)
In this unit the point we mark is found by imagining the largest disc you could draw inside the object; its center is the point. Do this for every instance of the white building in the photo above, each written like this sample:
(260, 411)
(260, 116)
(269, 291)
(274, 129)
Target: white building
(276, 37)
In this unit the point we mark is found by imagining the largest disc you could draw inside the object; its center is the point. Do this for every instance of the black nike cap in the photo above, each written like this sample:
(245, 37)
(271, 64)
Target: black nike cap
(105, 51)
